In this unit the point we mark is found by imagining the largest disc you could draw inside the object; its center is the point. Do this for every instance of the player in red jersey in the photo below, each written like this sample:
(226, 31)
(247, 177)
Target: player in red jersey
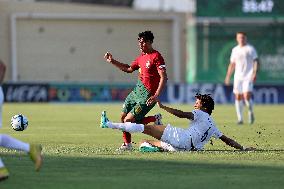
(152, 79)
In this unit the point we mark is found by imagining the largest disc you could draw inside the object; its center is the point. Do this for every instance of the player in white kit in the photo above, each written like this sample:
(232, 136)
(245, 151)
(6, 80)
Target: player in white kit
(200, 130)
(9, 142)
(245, 62)
(2, 75)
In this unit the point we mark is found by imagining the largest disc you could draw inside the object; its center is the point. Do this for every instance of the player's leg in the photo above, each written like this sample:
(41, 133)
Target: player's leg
(148, 119)
(239, 107)
(137, 112)
(33, 150)
(125, 135)
(8, 142)
(175, 139)
(4, 173)
(155, 132)
(135, 109)
(126, 145)
(129, 118)
(156, 119)
(36, 155)
(249, 104)
(248, 88)
(129, 103)
(173, 136)
(135, 115)
(1, 105)
(238, 100)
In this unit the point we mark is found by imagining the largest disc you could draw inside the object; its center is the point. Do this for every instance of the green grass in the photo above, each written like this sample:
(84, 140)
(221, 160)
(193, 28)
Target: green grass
(78, 154)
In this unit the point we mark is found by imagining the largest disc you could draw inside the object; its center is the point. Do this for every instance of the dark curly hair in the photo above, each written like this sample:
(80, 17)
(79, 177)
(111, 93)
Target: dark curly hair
(206, 101)
(147, 36)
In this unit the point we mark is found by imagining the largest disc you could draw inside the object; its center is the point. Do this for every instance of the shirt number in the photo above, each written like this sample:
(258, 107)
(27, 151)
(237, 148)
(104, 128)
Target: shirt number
(203, 138)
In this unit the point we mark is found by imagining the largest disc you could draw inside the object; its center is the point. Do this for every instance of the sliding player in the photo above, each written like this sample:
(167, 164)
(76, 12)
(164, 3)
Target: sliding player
(199, 132)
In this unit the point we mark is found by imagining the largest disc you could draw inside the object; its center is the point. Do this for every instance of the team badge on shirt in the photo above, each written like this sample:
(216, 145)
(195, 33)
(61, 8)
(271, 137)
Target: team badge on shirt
(162, 66)
(148, 64)
(137, 109)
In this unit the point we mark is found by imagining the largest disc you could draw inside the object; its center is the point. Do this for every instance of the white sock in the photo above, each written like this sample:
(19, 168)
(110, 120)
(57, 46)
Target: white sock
(1, 163)
(249, 104)
(127, 126)
(12, 143)
(239, 109)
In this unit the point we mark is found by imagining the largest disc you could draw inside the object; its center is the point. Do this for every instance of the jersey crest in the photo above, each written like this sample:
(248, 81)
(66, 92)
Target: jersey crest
(148, 64)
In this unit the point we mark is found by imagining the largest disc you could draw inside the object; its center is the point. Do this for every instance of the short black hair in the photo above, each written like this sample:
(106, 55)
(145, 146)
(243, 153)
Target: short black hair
(241, 32)
(206, 101)
(147, 36)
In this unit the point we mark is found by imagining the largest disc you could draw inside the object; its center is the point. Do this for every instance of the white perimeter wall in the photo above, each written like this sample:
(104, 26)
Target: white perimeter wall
(66, 49)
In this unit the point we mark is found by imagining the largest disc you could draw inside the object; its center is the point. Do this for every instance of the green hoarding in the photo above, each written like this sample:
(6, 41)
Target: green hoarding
(215, 42)
(211, 40)
(240, 8)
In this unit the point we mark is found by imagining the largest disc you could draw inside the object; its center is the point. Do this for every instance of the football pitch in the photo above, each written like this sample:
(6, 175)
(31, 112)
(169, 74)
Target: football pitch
(80, 155)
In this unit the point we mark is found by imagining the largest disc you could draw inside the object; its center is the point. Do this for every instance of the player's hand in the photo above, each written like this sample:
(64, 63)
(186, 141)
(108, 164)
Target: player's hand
(227, 81)
(253, 79)
(160, 105)
(108, 57)
(151, 100)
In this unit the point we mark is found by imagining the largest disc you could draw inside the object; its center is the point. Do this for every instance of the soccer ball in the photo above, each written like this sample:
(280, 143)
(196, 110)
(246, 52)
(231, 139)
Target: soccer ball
(19, 122)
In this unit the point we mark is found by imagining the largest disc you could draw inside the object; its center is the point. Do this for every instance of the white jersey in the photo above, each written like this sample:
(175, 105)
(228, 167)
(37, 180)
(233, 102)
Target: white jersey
(243, 57)
(202, 128)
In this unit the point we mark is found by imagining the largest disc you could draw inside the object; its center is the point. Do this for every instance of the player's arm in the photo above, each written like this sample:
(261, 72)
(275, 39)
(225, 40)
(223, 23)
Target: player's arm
(2, 71)
(234, 144)
(119, 65)
(176, 112)
(163, 81)
(161, 86)
(255, 68)
(230, 70)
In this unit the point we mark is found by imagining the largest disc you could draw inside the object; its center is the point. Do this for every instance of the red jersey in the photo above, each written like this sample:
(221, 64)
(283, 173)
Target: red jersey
(149, 65)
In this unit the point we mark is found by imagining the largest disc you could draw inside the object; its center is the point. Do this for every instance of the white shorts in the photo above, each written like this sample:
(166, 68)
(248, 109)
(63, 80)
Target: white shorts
(242, 86)
(175, 139)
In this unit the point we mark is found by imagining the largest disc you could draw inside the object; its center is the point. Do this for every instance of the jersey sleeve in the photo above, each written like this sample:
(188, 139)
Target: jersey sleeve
(233, 56)
(159, 62)
(134, 65)
(254, 53)
(217, 134)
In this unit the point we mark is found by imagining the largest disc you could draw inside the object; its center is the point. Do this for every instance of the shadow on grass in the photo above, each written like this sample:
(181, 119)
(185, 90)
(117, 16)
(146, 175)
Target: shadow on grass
(258, 150)
(112, 172)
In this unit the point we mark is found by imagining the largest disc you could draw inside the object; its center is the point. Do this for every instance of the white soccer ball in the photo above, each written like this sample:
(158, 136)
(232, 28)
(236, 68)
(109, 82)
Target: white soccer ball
(19, 122)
